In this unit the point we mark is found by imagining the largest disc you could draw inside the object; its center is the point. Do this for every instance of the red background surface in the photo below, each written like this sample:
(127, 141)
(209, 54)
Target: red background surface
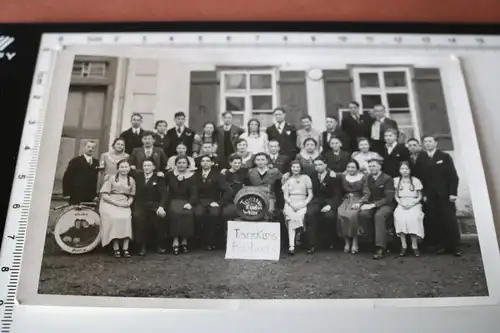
(471, 11)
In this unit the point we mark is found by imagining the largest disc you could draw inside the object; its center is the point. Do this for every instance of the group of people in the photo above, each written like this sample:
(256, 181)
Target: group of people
(356, 178)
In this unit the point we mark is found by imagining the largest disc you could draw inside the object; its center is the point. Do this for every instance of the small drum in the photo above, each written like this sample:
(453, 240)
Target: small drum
(78, 229)
(252, 203)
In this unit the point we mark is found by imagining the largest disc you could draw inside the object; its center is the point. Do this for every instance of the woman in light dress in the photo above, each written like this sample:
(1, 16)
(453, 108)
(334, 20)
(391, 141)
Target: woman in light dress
(109, 160)
(308, 154)
(355, 192)
(117, 195)
(181, 150)
(209, 134)
(408, 216)
(364, 154)
(297, 193)
(256, 140)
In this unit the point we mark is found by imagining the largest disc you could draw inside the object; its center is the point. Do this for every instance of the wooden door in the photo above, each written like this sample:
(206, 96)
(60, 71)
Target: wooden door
(85, 119)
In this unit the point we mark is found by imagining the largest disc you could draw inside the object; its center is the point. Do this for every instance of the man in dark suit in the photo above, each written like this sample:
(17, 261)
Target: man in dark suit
(148, 151)
(277, 160)
(333, 130)
(393, 153)
(149, 208)
(415, 149)
(80, 178)
(213, 193)
(439, 178)
(377, 212)
(355, 126)
(321, 215)
(180, 134)
(227, 134)
(284, 133)
(378, 126)
(207, 149)
(133, 136)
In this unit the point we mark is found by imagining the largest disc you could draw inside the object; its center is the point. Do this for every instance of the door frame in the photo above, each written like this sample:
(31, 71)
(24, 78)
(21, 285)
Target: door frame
(108, 82)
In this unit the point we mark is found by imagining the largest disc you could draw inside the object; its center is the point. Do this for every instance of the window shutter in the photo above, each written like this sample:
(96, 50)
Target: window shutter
(338, 90)
(203, 99)
(432, 106)
(293, 95)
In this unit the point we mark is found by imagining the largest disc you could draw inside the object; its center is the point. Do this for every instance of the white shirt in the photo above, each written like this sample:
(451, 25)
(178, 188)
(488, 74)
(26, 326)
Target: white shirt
(88, 158)
(147, 177)
(431, 153)
(391, 147)
(204, 173)
(322, 176)
(256, 144)
(227, 128)
(376, 127)
(273, 157)
(375, 177)
(280, 127)
(263, 171)
(148, 151)
(179, 130)
(136, 130)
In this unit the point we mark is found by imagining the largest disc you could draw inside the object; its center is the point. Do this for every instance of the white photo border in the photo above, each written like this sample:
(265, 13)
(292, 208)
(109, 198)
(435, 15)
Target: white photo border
(461, 122)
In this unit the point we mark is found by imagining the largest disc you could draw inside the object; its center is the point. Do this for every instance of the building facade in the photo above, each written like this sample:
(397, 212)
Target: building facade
(105, 92)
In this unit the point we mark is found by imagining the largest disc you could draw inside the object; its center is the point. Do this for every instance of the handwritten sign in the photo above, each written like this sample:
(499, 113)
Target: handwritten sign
(253, 240)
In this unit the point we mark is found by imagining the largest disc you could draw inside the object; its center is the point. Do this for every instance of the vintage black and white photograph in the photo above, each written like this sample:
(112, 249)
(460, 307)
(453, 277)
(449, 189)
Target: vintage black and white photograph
(166, 166)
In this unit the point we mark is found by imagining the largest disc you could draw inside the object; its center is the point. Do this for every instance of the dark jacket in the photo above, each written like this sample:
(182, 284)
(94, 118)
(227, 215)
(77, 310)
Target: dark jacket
(381, 190)
(187, 138)
(437, 174)
(337, 163)
(393, 160)
(355, 129)
(234, 135)
(328, 192)
(132, 140)
(212, 188)
(158, 156)
(338, 134)
(80, 180)
(287, 138)
(151, 193)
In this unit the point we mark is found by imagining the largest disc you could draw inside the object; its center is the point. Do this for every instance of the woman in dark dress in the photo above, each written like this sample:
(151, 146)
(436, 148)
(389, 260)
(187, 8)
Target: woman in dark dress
(355, 192)
(336, 158)
(182, 196)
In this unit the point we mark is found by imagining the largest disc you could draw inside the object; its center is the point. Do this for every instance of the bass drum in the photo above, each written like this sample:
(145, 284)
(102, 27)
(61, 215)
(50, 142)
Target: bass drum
(252, 203)
(78, 229)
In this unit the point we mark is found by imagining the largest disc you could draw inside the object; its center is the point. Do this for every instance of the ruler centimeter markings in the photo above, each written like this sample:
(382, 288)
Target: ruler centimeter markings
(18, 213)
(22, 188)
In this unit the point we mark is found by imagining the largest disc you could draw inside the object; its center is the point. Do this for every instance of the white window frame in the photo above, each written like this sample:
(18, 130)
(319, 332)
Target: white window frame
(248, 93)
(383, 91)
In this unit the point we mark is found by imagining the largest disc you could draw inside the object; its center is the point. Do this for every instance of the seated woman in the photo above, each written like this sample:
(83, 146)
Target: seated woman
(355, 191)
(117, 195)
(212, 193)
(263, 176)
(364, 155)
(308, 154)
(255, 138)
(181, 152)
(182, 197)
(208, 135)
(336, 158)
(246, 156)
(297, 193)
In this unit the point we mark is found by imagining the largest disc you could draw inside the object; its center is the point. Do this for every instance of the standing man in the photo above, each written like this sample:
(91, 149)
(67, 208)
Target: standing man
(149, 207)
(150, 152)
(378, 126)
(377, 212)
(80, 178)
(180, 134)
(227, 134)
(415, 149)
(355, 126)
(393, 153)
(133, 136)
(284, 133)
(439, 178)
(333, 131)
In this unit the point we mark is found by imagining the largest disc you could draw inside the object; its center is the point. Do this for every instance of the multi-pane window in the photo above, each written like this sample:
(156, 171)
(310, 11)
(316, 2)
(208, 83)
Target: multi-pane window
(392, 88)
(249, 94)
(92, 69)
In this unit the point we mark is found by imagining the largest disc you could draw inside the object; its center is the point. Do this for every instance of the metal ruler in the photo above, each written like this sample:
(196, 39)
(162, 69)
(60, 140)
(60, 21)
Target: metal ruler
(52, 44)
